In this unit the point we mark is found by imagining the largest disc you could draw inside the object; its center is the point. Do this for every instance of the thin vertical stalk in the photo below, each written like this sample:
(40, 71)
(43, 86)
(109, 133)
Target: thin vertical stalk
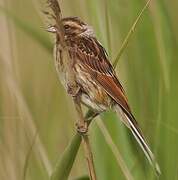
(89, 156)
(130, 33)
(68, 66)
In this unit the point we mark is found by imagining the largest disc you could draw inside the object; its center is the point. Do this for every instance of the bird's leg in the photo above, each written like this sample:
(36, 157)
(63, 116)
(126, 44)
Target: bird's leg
(82, 125)
(74, 91)
(82, 128)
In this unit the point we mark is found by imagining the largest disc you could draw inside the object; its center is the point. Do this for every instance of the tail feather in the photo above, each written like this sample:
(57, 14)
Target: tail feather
(131, 123)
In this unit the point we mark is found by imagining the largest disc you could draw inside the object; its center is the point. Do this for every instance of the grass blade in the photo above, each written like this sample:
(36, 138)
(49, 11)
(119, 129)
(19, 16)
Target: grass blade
(83, 178)
(65, 162)
(108, 32)
(114, 150)
(130, 33)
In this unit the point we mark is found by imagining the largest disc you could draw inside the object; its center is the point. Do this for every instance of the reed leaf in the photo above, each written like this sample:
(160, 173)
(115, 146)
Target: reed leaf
(64, 164)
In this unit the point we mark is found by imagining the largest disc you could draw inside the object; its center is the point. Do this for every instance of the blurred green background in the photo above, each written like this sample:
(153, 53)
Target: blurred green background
(37, 118)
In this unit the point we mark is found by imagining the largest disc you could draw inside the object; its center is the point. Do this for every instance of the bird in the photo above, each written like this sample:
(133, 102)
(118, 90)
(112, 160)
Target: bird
(98, 86)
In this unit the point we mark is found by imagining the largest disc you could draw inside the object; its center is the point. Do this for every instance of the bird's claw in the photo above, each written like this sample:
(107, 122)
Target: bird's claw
(82, 128)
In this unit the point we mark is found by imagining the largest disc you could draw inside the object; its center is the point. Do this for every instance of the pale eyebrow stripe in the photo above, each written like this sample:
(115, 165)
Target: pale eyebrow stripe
(74, 24)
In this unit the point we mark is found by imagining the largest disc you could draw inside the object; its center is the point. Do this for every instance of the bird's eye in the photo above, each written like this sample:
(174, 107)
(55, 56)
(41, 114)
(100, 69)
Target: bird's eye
(66, 26)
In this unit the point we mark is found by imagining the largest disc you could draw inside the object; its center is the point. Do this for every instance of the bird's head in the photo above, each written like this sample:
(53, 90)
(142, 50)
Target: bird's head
(73, 26)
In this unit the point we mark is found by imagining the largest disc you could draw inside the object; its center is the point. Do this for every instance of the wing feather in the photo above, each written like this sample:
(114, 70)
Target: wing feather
(94, 58)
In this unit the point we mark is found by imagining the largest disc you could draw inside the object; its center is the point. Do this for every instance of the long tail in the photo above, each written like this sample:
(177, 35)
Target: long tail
(129, 120)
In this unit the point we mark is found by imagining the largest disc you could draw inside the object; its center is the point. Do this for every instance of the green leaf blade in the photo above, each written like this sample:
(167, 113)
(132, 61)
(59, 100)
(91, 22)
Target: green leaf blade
(65, 162)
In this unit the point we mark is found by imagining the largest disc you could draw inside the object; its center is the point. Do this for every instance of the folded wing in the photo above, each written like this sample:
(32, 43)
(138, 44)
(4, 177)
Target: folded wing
(93, 56)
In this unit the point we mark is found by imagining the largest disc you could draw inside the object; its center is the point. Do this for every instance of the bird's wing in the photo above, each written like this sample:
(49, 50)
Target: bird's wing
(93, 56)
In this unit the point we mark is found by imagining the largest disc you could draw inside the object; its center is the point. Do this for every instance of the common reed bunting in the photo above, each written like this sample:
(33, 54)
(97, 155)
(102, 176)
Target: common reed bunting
(97, 83)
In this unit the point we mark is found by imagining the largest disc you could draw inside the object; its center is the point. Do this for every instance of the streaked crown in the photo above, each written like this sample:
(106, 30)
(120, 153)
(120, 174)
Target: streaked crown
(73, 26)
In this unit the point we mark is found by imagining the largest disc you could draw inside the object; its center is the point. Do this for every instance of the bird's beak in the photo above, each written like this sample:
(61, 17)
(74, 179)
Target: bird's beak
(51, 29)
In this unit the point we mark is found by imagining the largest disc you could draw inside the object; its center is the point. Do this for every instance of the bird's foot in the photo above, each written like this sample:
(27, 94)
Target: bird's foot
(82, 129)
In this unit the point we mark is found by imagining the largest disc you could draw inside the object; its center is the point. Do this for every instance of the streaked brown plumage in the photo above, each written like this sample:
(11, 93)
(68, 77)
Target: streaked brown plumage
(99, 87)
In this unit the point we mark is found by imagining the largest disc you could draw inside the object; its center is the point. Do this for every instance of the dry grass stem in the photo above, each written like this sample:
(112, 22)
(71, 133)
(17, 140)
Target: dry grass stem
(114, 150)
(89, 156)
(61, 45)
